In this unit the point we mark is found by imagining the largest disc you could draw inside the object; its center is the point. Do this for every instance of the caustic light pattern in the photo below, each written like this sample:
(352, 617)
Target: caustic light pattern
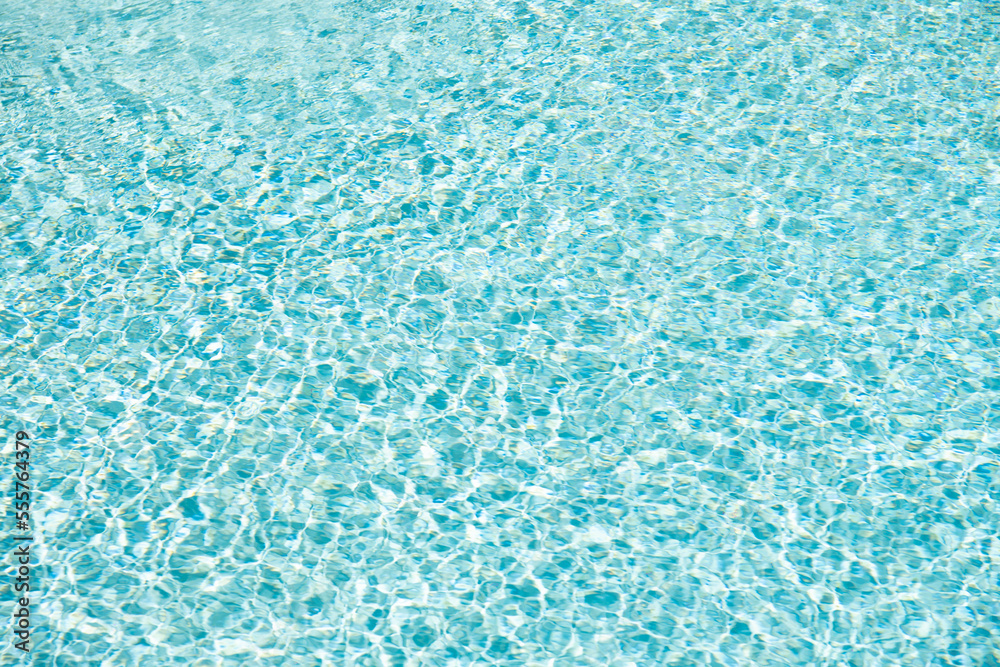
(543, 334)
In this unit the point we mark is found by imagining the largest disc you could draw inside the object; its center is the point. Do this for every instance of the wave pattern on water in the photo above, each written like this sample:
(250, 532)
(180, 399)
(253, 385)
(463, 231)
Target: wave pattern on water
(487, 332)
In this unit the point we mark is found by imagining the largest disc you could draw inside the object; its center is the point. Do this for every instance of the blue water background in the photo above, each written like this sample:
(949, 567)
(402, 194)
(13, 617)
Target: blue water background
(504, 333)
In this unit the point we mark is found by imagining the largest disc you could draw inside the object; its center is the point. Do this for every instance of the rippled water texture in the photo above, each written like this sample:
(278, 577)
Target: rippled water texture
(503, 333)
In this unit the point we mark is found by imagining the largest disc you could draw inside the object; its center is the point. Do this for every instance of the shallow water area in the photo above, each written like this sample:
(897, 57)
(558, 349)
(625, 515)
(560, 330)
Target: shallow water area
(503, 333)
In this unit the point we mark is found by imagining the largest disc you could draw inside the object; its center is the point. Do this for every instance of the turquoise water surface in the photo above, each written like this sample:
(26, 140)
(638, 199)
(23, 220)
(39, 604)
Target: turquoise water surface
(483, 332)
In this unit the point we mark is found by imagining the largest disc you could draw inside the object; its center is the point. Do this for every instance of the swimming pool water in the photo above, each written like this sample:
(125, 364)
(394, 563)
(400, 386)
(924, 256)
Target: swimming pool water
(504, 333)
